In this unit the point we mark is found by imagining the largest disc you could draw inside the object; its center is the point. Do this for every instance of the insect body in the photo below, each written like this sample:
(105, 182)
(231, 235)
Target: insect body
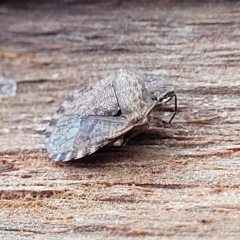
(103, 113)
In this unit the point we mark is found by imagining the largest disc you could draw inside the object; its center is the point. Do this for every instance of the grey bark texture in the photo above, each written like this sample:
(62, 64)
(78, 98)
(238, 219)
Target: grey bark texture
(180, 182)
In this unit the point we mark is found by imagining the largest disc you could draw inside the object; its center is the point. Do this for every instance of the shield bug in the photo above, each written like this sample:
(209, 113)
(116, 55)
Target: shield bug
(104, 113)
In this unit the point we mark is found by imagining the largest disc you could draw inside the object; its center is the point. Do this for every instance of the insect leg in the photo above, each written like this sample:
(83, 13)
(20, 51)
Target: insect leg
(175, 109)
(136, 131)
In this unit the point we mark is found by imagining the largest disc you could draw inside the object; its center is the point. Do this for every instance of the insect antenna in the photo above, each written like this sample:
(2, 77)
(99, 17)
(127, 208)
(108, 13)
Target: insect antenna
(175, 109)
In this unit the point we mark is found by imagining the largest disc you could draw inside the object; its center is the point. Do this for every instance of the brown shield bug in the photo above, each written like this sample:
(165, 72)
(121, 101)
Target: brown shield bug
(104, 112)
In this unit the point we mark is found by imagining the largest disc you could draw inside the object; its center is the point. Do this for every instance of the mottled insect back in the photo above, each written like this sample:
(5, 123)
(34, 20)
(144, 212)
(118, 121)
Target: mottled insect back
(104, 112)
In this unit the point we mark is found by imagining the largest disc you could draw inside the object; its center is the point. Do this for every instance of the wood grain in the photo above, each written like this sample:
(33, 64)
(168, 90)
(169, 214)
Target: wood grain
(180, 182)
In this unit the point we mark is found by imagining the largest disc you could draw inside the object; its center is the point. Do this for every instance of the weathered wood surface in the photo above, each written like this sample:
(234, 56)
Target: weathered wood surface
(180, 184)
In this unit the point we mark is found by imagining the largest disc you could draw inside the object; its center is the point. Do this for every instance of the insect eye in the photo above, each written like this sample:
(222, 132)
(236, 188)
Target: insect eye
(169, 94)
